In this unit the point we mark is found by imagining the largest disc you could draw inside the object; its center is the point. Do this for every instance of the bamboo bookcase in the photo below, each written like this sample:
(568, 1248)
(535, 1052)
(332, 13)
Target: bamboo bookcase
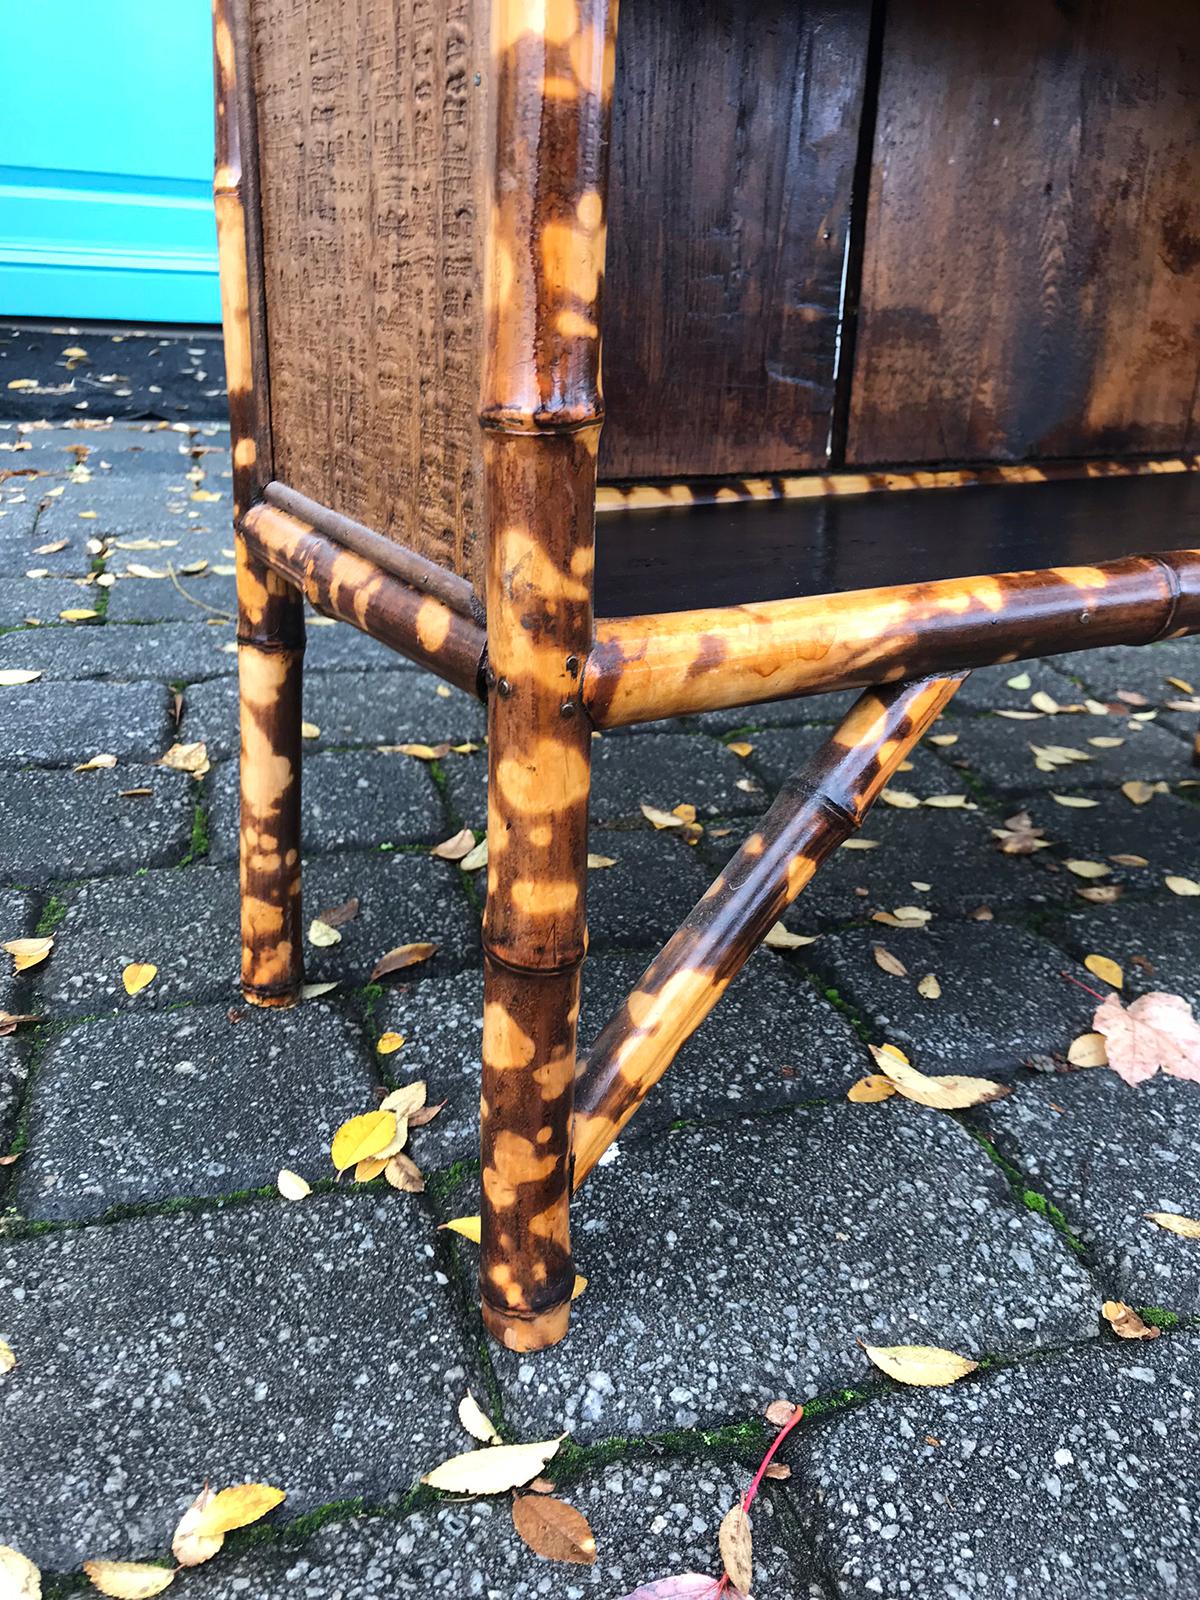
(883, 407)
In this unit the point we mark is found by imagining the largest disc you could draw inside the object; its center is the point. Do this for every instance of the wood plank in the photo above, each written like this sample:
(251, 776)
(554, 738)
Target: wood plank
(1031, 281)
(734, 138)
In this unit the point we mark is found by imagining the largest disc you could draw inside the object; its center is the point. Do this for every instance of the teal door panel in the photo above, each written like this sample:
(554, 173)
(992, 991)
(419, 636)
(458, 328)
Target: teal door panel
(106, 149)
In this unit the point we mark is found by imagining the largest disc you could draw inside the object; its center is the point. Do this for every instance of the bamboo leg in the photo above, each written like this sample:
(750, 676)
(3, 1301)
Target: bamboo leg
(541, 416)
(813, 813)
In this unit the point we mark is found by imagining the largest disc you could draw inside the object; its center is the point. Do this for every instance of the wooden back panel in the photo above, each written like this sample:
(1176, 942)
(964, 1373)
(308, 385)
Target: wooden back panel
(1031, 281)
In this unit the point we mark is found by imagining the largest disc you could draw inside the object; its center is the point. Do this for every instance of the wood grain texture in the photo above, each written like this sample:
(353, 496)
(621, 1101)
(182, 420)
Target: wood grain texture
(734, 138)
(1031, 280)
(371, 128)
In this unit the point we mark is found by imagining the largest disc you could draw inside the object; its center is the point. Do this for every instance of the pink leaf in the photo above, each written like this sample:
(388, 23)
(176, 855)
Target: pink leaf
(1156, 1031)
(686, 1586)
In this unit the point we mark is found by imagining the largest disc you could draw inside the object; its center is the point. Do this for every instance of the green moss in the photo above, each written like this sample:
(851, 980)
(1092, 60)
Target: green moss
(54, 910)
(201, 841)
(1032, 1199)
(1158, 1318)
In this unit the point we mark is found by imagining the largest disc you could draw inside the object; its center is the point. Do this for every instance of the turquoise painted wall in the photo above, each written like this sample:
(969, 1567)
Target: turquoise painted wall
(106, 149)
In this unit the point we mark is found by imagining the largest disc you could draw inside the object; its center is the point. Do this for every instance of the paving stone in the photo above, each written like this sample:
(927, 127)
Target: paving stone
(1143, 669)
(779, 752)
(21, 542)
(185, 920)
(148, 505)
(160, 600)
(1004, 1000)
(307, 1345)
(18, 518)
(658, 769)
(132, 374)
(14, 1073)
(987, 688)
(649, 1518)
(33, 600)
(732, 1265)
(1074, 1477)
(53, 724)
(350, 801)
(771, 1042)
(998, 751)
(335, 646)
(171, 652)
(778, 713)
(953, 852)
(1106, 1154)
(17, 919)
(142, 1108)
(1165, 831)
(350, 708)
(1164, 932)
(77, 825)
(639, 902)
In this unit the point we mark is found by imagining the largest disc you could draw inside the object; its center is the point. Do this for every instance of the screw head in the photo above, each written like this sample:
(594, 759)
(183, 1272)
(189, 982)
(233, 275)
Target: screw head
(504, 688)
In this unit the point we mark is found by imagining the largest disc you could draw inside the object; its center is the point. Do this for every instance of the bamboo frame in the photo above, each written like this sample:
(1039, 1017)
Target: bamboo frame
(685, 661)
(541, 414)
(814, 812)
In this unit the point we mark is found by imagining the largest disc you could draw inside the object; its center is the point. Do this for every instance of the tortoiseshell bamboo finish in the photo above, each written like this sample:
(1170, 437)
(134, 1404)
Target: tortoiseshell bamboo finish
(814, 811)
(346, 586)
(683, 661)
(270, 612)
(541, 413)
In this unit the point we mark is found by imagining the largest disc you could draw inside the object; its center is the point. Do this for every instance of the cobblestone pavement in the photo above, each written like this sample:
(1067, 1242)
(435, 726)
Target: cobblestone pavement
(175, 1320)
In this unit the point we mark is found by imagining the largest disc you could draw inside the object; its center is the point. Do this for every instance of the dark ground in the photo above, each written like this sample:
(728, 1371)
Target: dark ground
(175, 1320)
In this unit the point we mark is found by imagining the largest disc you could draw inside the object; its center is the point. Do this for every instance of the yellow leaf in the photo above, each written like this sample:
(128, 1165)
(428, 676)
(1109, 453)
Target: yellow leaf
(871, 1089)
(322, 935)
(596, 862)
(7, 1359)
(739, 747)
(19, 1578)
(1106, 970)
(685, 812)
(1021, 681)
(900, 798)
(138, 975)
(291, 1185)
(102, 763)
(129, 1580)
(361, 1137)
(23, 383)
(28, 953)
(733, 1540)
(404, 1101)
(238, 1507)
(860, 844)
(1087, 869)
(309, 730)
(188, 1547)
(929, 988)
(1177, 885)
(943, 740)
(923, 1365)
(205, 496)
(1078, 802)
(578, 1286)
(424, 752)
(1088, 1050)
(494, 1470)
(1185, 1227)
(661, 819)
(468, 1227)
(78, 614)
(1125, 1322)
(11, 676)
(389, 1043)
(780, 938)
(476, 1421)
(474, 859)
(948, 802)
(951, 1093)
(369, 1168)
(191, 758)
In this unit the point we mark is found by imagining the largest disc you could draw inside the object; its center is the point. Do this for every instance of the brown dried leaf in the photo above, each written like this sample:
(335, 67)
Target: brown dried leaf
(1140, 792)
(403, 1173)
(10, 1021)
(1125, 1322)
(426, 1114)
(778, 1470)
(404, 955)
(683, 1586)
(1157, 1030)
(553, 1529)
(1185, 1227)
(456, 846)
(888, 962)
(734, 1542)
(779, 1413)
(339, 916)
(192, 758)
(951, 1093)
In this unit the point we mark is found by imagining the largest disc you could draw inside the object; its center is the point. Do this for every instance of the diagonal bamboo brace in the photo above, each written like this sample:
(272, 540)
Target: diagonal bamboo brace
(814, 812)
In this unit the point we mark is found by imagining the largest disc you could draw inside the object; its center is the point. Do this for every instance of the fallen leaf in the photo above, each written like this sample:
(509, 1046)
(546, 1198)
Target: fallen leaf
(138, 975)
(389, 1042)
(423, 752)
(407, 1100)
(1124, 858)
(10, 677)
(10, 1021)
(661, 819)
(739, 747)
(192, 758)
(1102, 894)
(1106, 970)
(929, 988)
(339, 916)
(1185, 1227)
(923, 1365)
(404, 955)
(205, 495)
(1181, 684)
(780, 938)
(1125, 1322)
(860, 844)
(1088, 1050)
(1041, 701)
(871, 1089)
(291, 1185)
(1087, 869)
(129, 1580)
(578, 1286)
(476, 1421)
(1106, 742)
(28, 953)
(683, 1586)
(403, 1173)
(361, 1137)
(7, 1362)
(950, 1093)
(309, 730)
(81, 614)
(314, 991)
(1021, 681)
(1157, 1030)
(779, 1413)
(322, 935)
(900, 798)
(1140, 793)
(778, 1470)
(469, 1227)
(369, 1168)
(1019, 837)
(553, 1529)
(19, 1578)
(888, 962)
(455, 847)
(102, 763)
(192, 1549)
(595, 863)
(474, 859)
(238, 1507)
(425, 1114)
(494, 1470)
(734, 1543)
(947, 802)
(1183, 886)
(1077, 801)
(943, 740)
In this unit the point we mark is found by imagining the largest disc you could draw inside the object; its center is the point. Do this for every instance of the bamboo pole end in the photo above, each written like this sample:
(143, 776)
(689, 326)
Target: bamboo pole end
(525, 1333)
